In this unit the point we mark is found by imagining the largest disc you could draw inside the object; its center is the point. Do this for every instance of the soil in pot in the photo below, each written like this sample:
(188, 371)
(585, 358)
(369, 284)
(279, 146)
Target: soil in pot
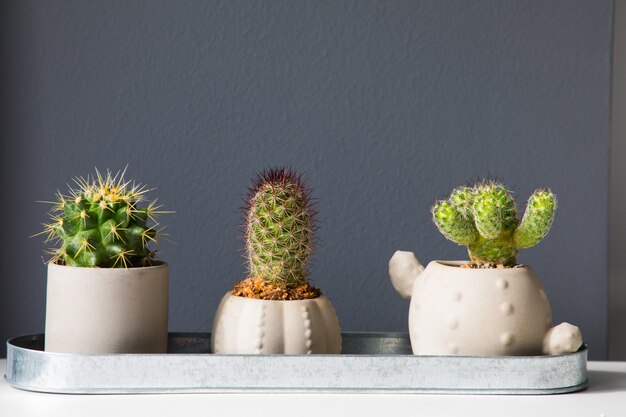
(490, 265)
(259, 289)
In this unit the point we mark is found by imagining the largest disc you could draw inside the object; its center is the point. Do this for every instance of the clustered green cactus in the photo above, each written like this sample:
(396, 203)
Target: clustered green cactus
(102, 223)
(484, 218)
(279, 228)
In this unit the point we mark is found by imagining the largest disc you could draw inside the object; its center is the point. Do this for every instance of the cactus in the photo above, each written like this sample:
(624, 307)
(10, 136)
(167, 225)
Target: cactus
(484, 218)
(101, 223)
(279, 228)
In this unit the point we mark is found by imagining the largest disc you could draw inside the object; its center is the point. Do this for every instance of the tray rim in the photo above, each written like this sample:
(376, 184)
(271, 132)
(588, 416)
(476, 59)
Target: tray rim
(11, 342)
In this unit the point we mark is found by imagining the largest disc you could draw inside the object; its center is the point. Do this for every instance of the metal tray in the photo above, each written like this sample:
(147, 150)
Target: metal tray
(370, 362)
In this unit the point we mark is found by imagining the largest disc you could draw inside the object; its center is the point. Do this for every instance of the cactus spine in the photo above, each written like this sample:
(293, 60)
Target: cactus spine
(102, 223)
(279, 228)
(484, 218)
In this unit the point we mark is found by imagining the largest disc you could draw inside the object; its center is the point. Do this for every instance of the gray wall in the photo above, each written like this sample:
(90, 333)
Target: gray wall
(385, 106)
(617, 221)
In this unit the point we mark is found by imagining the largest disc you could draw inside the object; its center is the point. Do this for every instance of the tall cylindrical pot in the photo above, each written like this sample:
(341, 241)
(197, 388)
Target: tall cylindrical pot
(107, 310)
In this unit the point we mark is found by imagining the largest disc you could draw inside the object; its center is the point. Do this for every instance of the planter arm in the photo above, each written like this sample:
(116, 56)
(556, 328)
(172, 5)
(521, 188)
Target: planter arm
(564, 338)
(404, 268)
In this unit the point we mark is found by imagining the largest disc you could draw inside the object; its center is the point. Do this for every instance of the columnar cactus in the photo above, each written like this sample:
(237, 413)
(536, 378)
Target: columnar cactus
(484, 218)
(279, 228)
(101, 223)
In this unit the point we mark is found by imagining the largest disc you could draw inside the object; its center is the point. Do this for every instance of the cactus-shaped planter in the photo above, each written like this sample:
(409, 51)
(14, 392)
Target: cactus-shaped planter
(490, 306)
(275, 310)
(105, 292)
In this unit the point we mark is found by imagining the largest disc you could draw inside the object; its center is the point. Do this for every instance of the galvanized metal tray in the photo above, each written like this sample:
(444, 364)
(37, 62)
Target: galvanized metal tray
(370, 362)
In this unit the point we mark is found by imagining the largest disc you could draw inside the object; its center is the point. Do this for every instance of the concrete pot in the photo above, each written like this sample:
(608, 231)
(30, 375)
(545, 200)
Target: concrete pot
(107, 310)
(248, 325)
(477, 312)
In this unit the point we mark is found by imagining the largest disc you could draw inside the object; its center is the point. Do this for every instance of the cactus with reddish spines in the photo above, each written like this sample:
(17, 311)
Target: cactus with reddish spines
(279, 228)
(102, 222)
(484, 218)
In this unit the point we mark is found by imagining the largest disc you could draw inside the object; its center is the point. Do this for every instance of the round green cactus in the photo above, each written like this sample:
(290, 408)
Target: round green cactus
(102, 223)
(279, 228)
(484, 218)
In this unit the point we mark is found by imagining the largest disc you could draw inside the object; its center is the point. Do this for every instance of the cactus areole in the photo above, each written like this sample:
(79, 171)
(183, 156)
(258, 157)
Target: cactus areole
(103, 223)
(279, 225)
(484, 218)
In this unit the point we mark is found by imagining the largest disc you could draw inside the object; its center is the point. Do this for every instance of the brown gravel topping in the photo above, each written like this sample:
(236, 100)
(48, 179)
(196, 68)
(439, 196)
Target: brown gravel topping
(490, 265)
(258, 288)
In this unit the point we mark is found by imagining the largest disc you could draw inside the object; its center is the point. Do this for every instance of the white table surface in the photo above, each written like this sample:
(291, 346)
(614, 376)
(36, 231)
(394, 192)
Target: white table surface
(605, 397)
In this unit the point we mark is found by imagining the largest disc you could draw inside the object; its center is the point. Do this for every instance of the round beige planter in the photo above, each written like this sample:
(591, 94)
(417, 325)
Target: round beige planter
(482, 312)
(247, 325)
(107, 310)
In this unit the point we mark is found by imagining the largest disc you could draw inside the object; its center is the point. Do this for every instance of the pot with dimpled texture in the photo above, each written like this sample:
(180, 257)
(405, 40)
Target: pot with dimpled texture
(476, 312)
(254, 326)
